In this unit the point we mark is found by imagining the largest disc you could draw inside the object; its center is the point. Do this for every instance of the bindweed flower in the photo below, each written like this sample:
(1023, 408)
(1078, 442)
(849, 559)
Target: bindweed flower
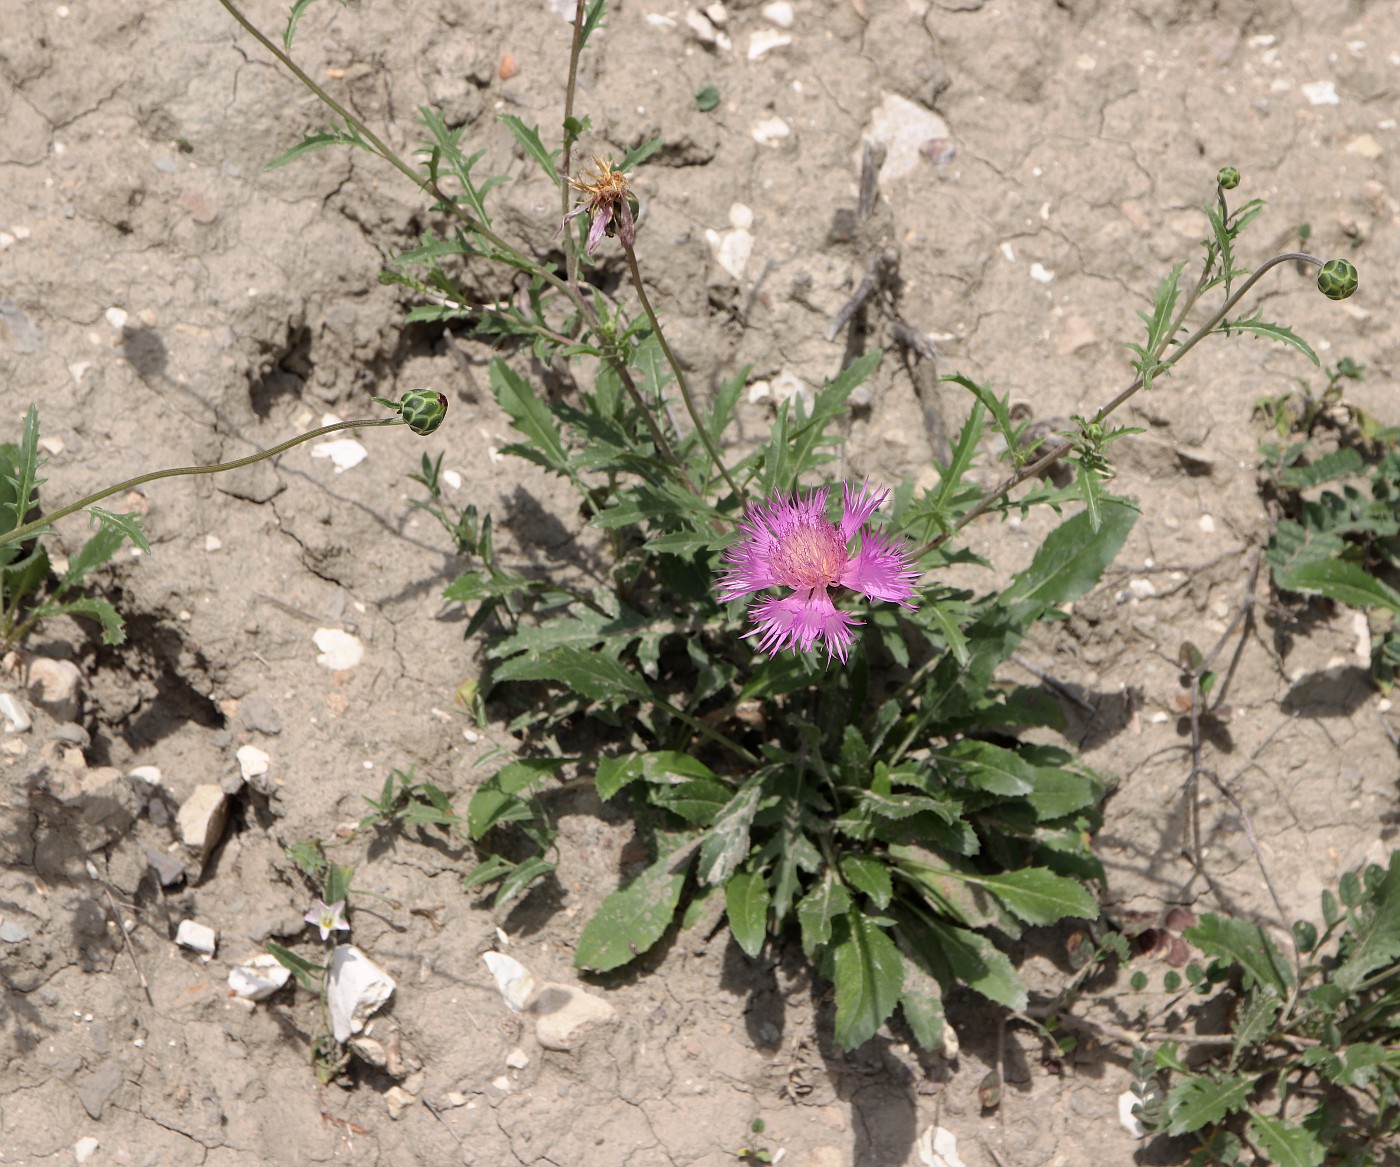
(328, 917)
(789, 542)
(608, 201)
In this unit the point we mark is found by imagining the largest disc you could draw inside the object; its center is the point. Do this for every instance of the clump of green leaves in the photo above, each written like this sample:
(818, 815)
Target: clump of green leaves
(1334, 480)
(1311, 1068)
(404, 803)
(31, 588)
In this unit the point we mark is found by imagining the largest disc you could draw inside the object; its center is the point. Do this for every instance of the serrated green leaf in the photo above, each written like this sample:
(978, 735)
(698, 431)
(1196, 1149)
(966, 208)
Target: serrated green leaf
(591, 674)
(639, 154)
(521, 878)
(869, 975)
(314, 142)
(1244, 944)
(633, 918)
(529, 139)
(746, 900)
(1041, 897)
(1199, 1101)
(1276, 332)
(128, 524)
(1287, 1144)
(293, 18)
(98, 550)
(1377, 937)
(726, 843)
(1345, 462)
(530, 416)
(870, 875)
(827, 899)
(592, 16)
(1073, 557)
(1341, 580)
(107, 617)
(489, 870)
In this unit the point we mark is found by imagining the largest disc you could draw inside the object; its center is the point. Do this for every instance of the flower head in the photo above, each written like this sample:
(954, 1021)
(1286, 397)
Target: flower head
(606, 196)
(788, 542)
(328, 917)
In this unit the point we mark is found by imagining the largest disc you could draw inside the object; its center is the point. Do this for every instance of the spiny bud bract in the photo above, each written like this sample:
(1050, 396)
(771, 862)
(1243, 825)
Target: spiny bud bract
(1227, 178)
(1337, 280)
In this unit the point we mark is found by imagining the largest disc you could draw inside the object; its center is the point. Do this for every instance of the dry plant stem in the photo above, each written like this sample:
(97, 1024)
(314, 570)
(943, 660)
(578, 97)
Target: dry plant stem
(132, 483)
(575, 50)
(1055, 453)
(676, 369)
(130, 948)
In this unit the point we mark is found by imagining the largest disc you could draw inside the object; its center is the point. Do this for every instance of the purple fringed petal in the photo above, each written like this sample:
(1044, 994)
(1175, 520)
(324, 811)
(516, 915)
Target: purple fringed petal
(800, 621)
(859, 504)
(882, 569)
(601, 217)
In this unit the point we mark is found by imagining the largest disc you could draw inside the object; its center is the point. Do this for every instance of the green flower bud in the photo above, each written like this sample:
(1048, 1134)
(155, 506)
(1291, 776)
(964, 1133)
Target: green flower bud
(423, 409)
(1227, 178)
(1337, 280)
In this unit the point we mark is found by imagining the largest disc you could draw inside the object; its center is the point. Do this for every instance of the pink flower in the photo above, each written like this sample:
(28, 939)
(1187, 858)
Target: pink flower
(606, 195)
(789, 543)
(327, 917)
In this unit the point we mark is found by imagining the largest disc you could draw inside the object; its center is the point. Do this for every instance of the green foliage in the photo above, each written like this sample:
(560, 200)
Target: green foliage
(1336, 484)
(1313, 1069)
(29, 591)
(404, 803)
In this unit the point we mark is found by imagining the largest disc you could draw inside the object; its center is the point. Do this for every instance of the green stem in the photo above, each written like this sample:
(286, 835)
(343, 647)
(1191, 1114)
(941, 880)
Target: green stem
(1055, 453)
(715, 459)
(23, 532)
(575, 50)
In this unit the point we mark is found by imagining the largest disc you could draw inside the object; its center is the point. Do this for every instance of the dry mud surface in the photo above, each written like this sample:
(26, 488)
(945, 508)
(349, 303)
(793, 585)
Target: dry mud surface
(167, 301)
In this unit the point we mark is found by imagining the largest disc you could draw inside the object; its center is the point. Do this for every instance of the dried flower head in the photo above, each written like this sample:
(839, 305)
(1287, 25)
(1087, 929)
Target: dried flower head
(328, 917)
(790, 543)
(605, 196)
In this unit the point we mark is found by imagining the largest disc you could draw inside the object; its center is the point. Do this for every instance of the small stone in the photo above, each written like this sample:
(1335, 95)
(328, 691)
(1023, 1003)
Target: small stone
(1322, 93)
(517, 1059)
(253, 763)
(116, 317)
(903, 128)
(168, 870)
(779, 13)
(339, 650)
(787, 385)
(344, 453)
(732, 250)
(258, 978)
(565, 1013)
(85, 1148)
(766, 40)
(16, 719)
(398, 1100)
(368, 1050)
(770, 131)
(212, 543)
(53, 686)
(96, 1089)
(1364, 147)
(740, 217)
(201, 819)
(355, 988)
(1129, 1121)
(514, 981)
(196, 937)
(13, 932)
(718, 14)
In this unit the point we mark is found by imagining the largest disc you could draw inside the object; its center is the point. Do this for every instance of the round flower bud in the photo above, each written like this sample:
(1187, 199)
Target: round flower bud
(1337, 280)
(1227, 178)
(423, 410)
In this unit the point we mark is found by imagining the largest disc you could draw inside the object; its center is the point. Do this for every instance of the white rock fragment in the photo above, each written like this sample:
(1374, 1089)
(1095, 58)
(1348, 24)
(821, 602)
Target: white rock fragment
(765, 40)
(1322, 93)
(398, 1100)
(54, 445)
(565, 1013)
(1364, 146)
(85, 1148)
(1142, 588)
(787, 385)
(14, 715)
(769, 131)
(902, 127)
(759, 391)
(1206, 524)
(53, 686)
(1361, 629)
(779, 13)
(938, 1147)
(252, 762)
(658, 20)
(514, 981)
(343, 453)
(201, 819)
(197, 937)
(258, 978)
(1126, 1118)
(452, 479)
(740, 217)
(1041, 274)
(355, 989)
(116, 317)
(517, 1059)
(212, 543)
(339, 650)
(718, 14)
(732, 250)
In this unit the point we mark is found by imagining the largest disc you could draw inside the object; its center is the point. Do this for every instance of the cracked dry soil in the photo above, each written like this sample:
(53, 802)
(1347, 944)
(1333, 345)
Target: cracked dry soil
(167, 301)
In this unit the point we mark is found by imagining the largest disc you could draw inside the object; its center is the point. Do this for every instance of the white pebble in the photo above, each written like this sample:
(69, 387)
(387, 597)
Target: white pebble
(85, 1148)
(779, 13)
(252, 762)
(255, 979)
(1322, 93)
(769, 131)
(1126, 1118)
(765, 40)
(116, 317)
(339, 650)
(1206, 523)
(1041, 274)
(343, 452)
(16, 719)
(740, 217)
(212, 542)
(197, 937)
(453, 479)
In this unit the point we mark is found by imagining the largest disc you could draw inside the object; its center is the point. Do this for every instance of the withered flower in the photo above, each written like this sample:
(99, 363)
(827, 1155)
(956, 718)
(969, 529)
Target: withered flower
(605, 196)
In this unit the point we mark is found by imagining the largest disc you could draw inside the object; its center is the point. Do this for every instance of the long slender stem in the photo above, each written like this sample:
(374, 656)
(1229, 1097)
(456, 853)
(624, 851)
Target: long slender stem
(28, 529)
(715, 459)
(1058, 451)
(575, 51)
